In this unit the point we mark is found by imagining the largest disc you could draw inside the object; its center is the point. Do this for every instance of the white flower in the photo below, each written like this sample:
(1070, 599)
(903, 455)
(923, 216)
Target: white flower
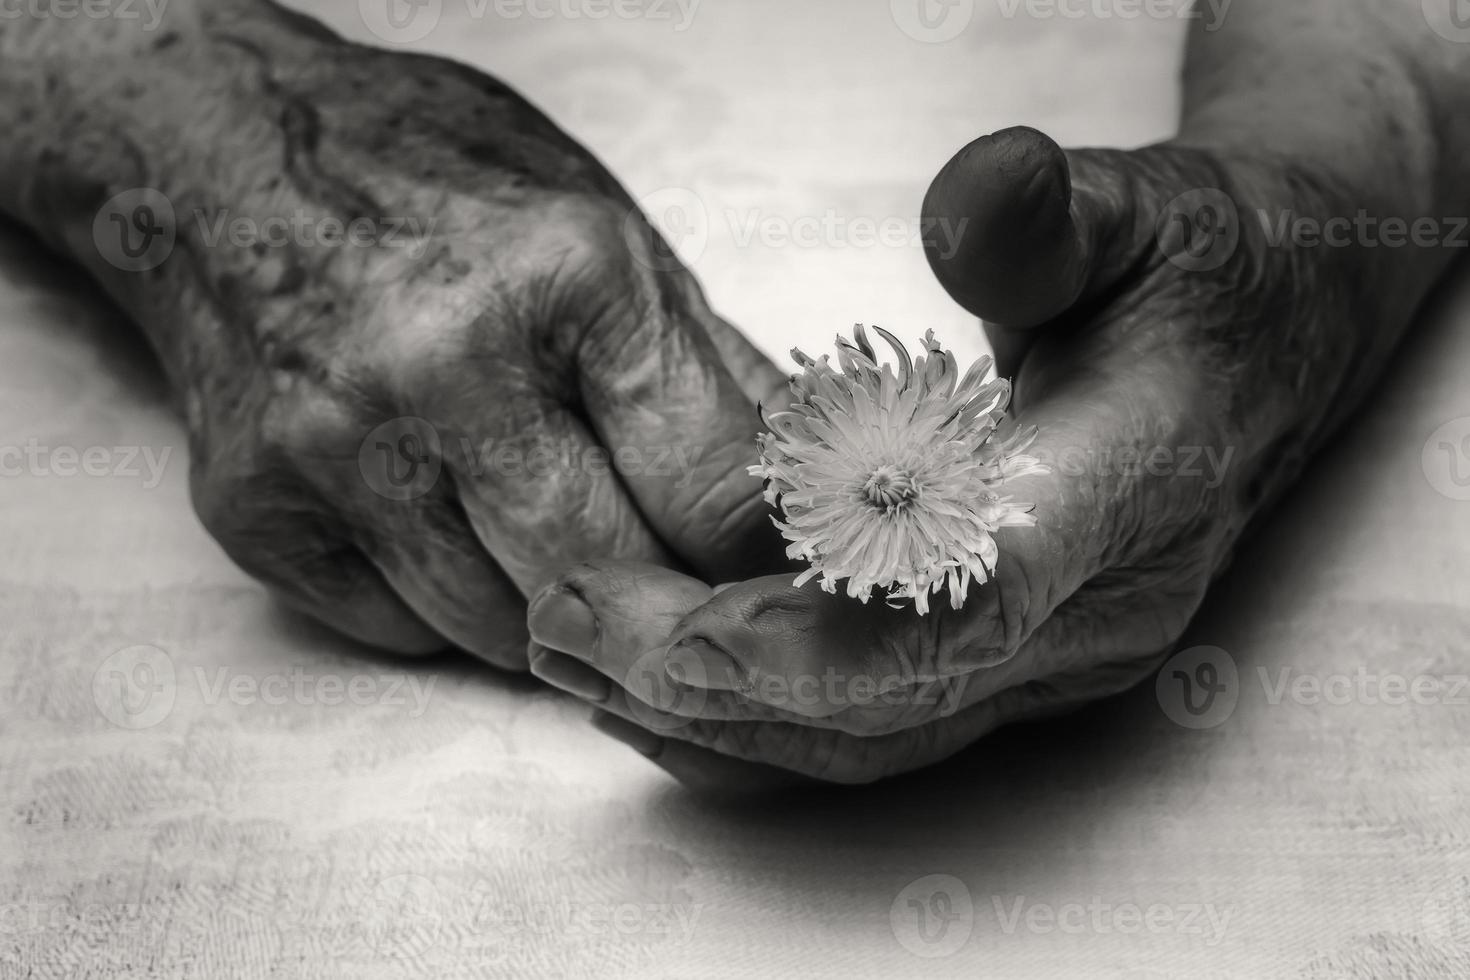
(892, 481)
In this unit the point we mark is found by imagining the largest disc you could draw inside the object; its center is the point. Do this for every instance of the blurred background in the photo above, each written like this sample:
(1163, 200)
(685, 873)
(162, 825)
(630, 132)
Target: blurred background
(786, 147)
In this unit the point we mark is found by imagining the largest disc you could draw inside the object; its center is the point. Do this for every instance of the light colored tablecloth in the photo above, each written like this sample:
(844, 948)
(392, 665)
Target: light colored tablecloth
(184, 791)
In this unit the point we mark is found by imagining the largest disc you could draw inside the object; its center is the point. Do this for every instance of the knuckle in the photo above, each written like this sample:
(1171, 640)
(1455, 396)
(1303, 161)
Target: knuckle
(587, 578)
(311, 423)
(268, 524)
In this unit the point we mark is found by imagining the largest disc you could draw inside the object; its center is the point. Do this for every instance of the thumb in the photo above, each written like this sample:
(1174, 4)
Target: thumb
(1019, 231)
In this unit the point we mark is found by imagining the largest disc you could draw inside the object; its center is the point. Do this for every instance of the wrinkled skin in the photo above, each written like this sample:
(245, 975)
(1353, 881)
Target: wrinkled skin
(512, 299)
(542, 309)
(1118, 348)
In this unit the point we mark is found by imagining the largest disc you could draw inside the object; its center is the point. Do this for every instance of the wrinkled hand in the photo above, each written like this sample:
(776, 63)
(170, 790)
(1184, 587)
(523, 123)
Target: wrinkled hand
(429, 351)
(430, 436)
(1167, 372)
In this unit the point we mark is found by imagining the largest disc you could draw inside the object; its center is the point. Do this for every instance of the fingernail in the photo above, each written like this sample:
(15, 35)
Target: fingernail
(573, 676)
(639, 739)
(696, 662)
(561, 620)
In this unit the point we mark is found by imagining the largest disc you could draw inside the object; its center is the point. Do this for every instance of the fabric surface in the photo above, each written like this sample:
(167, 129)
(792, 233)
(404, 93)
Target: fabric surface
(196, 784)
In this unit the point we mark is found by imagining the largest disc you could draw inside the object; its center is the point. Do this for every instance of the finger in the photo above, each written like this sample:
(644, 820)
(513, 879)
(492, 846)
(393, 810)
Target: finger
(429, 553)
(414, 531)
(652, 379)
(1019, 231)
(281, 533)
(607, 623)
(864, 668)
(573, 615)
(584, 644)
(344, 591)
(735, 756)
(823, 754)
(756, 374)
(539, 490)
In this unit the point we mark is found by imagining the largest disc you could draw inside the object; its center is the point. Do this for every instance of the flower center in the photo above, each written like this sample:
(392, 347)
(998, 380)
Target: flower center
(889, 488)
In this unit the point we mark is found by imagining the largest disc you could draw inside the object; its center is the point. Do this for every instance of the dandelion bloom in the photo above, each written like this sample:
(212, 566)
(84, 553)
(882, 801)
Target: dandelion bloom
(891, 481)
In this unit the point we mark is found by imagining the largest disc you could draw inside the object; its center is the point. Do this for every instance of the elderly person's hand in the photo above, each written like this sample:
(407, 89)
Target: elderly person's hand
(427, 348)
(1178, 378)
